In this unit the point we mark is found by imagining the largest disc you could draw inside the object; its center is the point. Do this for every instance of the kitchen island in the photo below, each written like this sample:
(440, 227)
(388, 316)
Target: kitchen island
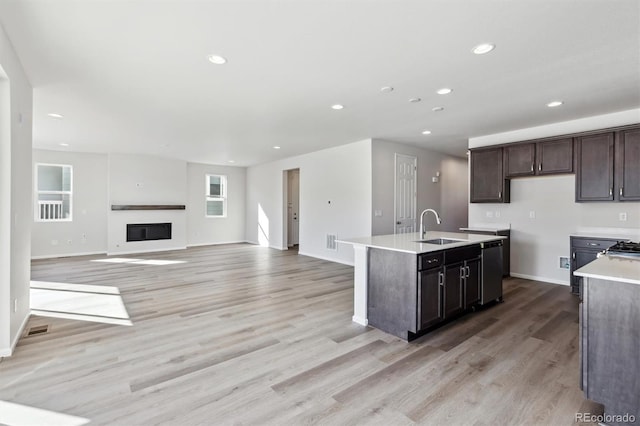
(405, 285)
(610, 336)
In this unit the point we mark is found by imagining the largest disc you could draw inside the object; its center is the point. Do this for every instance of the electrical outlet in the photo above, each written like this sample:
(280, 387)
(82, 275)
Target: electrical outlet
(54, 242)
(622, 217)
(84, 238)
(532, 214)
(497, 213)
(69, 242)
(377, 213)
(489, 214)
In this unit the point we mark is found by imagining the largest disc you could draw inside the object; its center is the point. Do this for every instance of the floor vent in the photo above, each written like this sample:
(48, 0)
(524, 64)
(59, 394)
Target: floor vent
(331, 242)
(37, 330)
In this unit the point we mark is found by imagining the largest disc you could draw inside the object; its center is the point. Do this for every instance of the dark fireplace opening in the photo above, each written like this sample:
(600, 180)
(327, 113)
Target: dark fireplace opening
(148, 231)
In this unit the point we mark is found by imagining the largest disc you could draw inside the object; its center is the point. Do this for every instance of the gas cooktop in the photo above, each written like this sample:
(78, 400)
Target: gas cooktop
(625, 248)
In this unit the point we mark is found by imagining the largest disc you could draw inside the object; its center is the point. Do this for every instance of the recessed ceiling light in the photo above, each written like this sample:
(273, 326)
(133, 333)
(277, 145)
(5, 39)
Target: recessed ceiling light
(217, 59)
(444, 91)
(426, 132)
(337, 106)
(436, 109)
(386, 89)
(63, 144)
(414, 100)
(483, 48)
(276, 147)
(54, 115)
(554, 104)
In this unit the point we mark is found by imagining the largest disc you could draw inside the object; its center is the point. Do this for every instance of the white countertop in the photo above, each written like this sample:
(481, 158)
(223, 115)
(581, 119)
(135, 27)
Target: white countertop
(608, 233)
(407, 242)
(485, 229)
(612, 268)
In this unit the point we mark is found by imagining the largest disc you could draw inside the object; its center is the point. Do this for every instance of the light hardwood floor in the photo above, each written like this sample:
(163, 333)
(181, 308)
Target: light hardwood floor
(241, 334)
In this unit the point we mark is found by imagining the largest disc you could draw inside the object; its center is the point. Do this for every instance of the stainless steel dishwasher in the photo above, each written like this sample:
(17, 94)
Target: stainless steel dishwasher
(491, 285)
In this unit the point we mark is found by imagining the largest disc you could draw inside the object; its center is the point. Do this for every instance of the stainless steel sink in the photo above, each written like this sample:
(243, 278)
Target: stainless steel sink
(439, 241)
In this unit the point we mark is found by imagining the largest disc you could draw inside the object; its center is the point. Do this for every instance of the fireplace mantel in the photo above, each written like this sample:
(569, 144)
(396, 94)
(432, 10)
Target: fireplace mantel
(121, 207)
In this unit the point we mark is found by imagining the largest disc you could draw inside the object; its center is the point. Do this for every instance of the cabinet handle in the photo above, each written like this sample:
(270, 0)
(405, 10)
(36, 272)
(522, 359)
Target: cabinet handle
(540, 166)
(531, 166)
(610, 192)
(468, 272)
(462, 272)
(499, 194)
(594, 244)
(440, 279)
(621, 191)
(574, 255)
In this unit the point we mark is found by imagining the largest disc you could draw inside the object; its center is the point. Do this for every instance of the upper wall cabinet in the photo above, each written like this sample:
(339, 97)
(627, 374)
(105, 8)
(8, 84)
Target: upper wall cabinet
(594, 167)
(488, 184)
(628, 165)
(539, 158)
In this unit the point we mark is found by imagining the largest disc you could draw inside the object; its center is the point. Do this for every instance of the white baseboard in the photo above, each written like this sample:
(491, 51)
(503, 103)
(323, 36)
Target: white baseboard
(218, 243)
(9, 351)
(535, 278)
(359, 320)
(55, 256)
(343, 262)
(146, 251)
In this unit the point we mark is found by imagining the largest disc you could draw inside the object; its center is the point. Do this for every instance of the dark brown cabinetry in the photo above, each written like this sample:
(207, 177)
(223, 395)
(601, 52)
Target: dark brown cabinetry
(430, 282)
(554, 156)
(488, 184)
(539, 158)
(408, 294)
(594, 167)
(585, 250)
(461, 279)
(627, 153)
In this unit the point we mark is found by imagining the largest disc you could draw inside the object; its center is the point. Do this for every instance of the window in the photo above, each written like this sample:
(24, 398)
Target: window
(54, 191)
(216, 196)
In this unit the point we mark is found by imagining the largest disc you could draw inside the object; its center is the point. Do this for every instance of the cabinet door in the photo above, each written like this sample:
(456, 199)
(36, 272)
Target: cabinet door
(555, 156)
(594, 167)
(472, 282)
(453, 296)
(430, 297)
(519, 160)
(487, 179)
(628, 165)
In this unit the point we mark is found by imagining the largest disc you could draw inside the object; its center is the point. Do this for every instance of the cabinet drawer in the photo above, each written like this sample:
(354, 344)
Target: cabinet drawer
(461, 254)
(592, 243)
(429, 261)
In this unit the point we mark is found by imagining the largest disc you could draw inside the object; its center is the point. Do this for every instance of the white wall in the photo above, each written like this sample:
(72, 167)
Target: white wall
(536, 244)
(454, 195)
(202, 230)
(87, 232)
(16, 110)
(447, 197)
(335, 198)
(139, 179)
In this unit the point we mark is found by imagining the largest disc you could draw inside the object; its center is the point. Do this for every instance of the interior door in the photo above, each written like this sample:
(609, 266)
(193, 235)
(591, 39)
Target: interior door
(405, 193)
(293, 207)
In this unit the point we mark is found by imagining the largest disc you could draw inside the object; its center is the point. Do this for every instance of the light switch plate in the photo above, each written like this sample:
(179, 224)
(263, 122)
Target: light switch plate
(622, 217)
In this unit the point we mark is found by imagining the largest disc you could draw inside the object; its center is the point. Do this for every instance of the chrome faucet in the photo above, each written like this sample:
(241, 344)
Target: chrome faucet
(423, 230)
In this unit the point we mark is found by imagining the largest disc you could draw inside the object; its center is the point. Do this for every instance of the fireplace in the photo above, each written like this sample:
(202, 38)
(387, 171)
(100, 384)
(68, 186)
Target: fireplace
(148, 231)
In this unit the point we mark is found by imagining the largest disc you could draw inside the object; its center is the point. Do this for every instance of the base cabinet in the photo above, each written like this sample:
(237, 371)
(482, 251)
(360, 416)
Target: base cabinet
(585, 250)
(430, 284)
(609, 325)
(409, 294)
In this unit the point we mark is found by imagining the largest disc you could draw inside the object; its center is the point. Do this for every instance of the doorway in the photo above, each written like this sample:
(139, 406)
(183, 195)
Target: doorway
(405, 193)
(293, 208)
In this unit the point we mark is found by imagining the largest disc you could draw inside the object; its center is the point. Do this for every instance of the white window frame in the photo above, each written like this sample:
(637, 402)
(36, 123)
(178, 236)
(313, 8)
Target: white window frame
(222, 197)
(37, 192)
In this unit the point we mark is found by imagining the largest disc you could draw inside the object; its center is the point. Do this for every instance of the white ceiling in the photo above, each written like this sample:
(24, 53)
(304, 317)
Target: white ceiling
(133, 76)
